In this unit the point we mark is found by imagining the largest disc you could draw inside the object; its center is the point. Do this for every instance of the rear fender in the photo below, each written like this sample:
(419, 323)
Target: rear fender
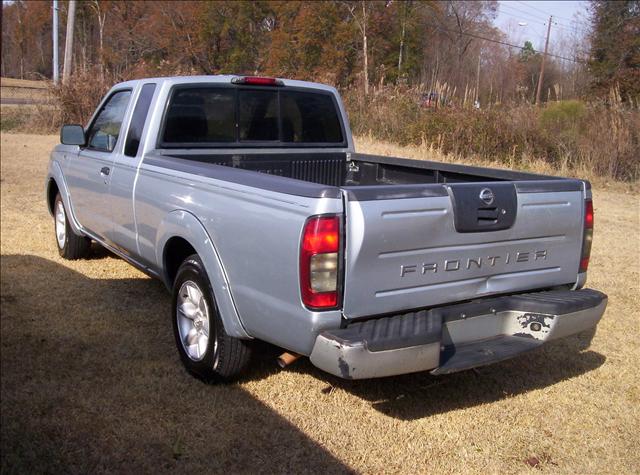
(180, 223)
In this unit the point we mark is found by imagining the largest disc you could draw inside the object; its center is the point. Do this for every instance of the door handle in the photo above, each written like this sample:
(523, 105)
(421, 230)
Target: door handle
(104, 171)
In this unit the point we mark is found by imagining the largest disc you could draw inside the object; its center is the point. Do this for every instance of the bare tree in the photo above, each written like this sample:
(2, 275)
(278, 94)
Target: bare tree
(361, 22)
(21, 37)
(458, 24)
(101, 16)
(403, 26)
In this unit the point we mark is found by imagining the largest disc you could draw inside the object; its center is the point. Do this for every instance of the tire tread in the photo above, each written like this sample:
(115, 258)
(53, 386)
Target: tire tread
(233, 354)
(76, 247)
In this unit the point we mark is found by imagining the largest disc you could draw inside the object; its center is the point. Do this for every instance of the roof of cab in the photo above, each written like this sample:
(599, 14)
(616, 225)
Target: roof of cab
(226, 78)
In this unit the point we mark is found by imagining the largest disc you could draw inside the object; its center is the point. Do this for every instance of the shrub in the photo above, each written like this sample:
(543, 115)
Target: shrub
(567, 135)
(78, 99)
(12, 119)
(563, 115)
(34, 119)
(65, 103)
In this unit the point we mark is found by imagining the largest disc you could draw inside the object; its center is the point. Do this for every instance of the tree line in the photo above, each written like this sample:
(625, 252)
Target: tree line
(449, 46)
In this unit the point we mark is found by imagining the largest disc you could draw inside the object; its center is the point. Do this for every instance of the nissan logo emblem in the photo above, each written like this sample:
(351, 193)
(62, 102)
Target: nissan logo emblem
(486, 195)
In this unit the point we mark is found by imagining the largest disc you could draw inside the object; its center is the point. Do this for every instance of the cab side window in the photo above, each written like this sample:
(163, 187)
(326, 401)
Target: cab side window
(138, 119)
(105, 129)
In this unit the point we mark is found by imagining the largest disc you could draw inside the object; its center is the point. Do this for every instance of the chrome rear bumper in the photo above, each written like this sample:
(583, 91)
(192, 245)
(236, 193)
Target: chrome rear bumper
(449, 339)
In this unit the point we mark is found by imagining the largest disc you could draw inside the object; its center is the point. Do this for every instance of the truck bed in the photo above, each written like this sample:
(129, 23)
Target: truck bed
(343, 169)
(417, 233)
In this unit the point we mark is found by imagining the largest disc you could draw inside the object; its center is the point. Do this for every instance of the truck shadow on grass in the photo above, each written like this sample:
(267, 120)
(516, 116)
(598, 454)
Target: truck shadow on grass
(91, 382)
(419, 395)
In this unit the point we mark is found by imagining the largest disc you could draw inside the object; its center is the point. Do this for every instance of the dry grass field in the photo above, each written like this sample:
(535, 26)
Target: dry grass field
(91, 381)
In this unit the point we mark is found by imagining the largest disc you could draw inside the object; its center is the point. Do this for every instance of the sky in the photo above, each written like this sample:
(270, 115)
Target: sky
(568, 15)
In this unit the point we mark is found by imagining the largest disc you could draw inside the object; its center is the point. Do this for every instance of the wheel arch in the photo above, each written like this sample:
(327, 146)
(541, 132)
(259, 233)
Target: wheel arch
(181, 234)
(176, 250)
(55, 183)
(52, 191)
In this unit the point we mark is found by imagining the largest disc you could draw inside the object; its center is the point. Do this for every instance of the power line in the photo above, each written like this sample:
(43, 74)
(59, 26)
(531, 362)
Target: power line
(520, 12)
(528, 22)
(506, 44)
(566, 29)
(542, 11)
(585, 26)
(572, 28)
(533, 18)
(531, 6)
(520, 17)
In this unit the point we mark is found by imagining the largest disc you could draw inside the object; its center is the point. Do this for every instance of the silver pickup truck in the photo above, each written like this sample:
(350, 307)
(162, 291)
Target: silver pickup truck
(246, 197)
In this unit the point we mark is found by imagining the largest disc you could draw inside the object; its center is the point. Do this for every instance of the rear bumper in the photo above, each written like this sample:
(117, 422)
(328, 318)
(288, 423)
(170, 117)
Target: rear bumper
(455, 338)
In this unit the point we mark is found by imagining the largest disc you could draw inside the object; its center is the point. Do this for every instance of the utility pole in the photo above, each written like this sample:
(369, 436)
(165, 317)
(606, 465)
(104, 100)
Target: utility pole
(56, 69)
(544, 57)
(68, 45)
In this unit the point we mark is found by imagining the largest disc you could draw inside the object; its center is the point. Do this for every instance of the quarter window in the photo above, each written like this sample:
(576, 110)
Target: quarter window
(138, 119)
(105, 129)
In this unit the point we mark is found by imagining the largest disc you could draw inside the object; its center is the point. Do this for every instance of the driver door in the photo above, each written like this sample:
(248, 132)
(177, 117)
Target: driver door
(89, 173)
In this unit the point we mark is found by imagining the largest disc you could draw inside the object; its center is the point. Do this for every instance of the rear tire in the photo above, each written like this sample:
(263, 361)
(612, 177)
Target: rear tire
(70, 245)
(205, 349)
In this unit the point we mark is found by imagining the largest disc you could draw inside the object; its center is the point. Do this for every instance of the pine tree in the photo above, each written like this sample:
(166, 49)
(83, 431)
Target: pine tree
(615, 47)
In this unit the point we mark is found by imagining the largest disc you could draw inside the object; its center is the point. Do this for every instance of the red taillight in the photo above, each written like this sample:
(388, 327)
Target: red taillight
(319, 262)
(587, 236)
(584, 264)
(588, 214)
(257, 81)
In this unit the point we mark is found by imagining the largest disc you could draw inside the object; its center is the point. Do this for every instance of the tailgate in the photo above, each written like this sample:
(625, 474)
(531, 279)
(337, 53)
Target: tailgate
(417, 246)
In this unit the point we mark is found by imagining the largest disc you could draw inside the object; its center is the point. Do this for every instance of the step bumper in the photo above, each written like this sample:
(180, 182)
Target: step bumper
(458, 337)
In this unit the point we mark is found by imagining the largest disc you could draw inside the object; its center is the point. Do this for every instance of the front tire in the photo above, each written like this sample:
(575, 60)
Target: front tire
(204, 347)
(70, 245)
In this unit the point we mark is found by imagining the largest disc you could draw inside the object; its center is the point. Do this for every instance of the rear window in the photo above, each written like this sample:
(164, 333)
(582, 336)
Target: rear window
(201, 115)
(229, 116)
(258, 119)
(309, 118)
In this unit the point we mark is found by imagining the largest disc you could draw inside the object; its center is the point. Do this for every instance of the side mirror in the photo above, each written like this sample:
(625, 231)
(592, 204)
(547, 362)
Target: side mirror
(72, 135)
